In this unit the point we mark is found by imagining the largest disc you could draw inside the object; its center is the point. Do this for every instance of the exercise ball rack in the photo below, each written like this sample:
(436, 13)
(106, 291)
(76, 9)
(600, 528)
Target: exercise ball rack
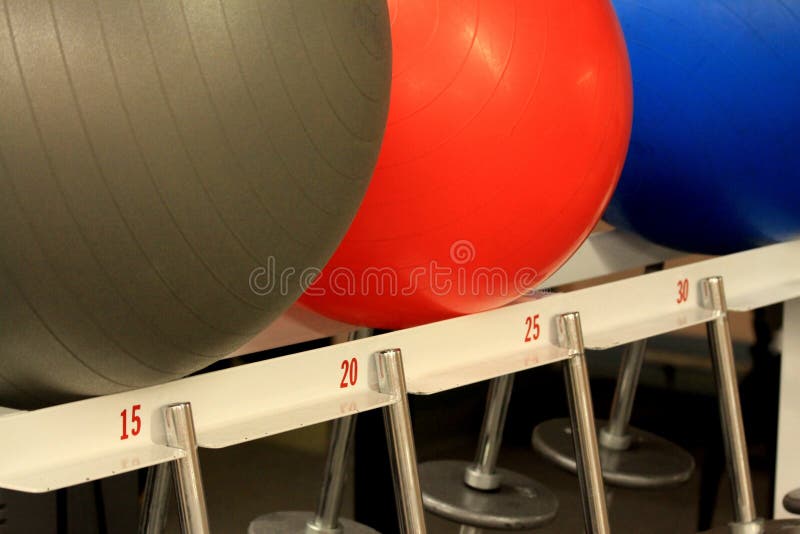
(68, 444)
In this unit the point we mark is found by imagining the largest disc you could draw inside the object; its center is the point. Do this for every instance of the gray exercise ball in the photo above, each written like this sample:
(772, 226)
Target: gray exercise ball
(154, 155)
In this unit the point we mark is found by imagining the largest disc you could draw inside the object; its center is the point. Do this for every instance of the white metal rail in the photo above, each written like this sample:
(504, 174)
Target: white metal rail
(72, 443)
(601, 254)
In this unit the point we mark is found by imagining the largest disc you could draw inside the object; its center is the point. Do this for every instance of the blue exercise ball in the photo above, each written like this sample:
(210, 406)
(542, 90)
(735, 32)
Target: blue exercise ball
(714, 160)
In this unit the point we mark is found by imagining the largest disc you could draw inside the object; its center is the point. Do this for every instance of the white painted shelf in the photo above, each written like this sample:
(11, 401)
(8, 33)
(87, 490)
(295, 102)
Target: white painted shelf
(68, 444)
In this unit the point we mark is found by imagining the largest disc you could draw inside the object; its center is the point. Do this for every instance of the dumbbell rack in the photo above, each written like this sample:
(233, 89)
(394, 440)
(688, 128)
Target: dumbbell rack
(72, 443)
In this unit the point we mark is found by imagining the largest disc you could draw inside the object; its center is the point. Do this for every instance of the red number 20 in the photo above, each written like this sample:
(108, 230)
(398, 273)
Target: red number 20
(350, 375)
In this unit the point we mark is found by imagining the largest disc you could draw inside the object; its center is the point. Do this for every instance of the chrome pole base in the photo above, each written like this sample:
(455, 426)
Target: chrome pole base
(650, 461)
(779, 526)
(302, 523)
(520, 503)
(791, 501)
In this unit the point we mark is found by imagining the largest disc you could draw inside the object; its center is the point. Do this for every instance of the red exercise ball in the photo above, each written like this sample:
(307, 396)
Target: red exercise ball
(508, 127)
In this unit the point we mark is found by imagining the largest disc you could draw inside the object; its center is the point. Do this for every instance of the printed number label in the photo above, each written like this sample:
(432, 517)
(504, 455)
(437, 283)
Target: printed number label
(350, 373)
(135, 421)
(533, 331)
(683, 290)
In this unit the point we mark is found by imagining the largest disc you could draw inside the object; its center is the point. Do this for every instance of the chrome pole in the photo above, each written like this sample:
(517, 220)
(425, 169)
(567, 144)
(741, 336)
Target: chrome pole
(342, 436)
(153, 517)
(719, 339)
(400, 437)
(615, 435)
(483, 474)
(593, 495)
(326, 519)
(330, 500)
(188, 481)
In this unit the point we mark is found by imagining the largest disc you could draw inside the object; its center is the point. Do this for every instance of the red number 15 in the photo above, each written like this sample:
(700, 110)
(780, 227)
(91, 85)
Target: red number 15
(136, 421)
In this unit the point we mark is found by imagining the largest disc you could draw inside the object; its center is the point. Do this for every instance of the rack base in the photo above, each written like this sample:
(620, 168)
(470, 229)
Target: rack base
(519, 503)
(650, 462)
(791, 501)
(781, 526)
(297, 523)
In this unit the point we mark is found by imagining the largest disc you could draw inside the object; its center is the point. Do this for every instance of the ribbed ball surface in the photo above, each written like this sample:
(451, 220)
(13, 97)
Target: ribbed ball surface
(152, 155)
(714, 162)
(508, 126)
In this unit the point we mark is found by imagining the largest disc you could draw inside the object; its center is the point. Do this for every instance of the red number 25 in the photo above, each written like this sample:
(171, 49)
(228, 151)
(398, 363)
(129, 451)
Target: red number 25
(533, 330)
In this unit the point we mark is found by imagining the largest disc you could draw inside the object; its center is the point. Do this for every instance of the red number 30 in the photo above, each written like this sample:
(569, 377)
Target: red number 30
(683, 290)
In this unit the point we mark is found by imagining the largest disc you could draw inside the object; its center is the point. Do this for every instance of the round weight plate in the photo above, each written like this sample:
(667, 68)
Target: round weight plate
(791, 501)
(650, 462)
(519, 503)
(295, 523)
(782, 526)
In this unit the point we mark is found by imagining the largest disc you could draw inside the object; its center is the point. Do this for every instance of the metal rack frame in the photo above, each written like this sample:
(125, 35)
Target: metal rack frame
(72, 443)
